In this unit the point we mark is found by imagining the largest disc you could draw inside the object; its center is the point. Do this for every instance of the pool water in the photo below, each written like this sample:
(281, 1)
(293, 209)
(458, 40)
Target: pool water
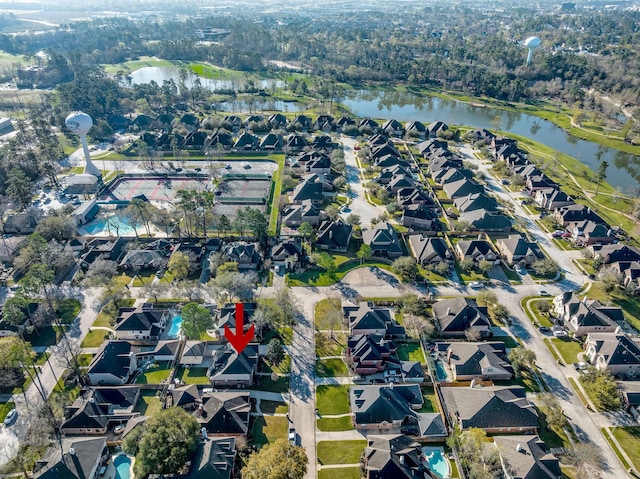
(112, 224)
(438, 463)
(441, 372)
(174, 329)
(122, 463)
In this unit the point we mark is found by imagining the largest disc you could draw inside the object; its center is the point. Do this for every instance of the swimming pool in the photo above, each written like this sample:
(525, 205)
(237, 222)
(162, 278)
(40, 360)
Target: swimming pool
(174, 328)
(113, 225)
(438, 463)
(122, 463)
(441, 372)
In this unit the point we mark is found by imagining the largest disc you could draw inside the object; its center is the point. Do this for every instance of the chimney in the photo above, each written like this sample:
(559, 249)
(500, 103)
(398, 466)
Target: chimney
(330, 234)
(479, 236)
(401, 459)
(203, 431)
(72, 451)
(584, 300)
(448, 311)
(519, 448)
(473, 383)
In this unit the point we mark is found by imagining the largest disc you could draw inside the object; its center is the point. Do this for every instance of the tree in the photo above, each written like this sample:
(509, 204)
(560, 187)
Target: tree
(500, 313)
(601, 388)
(191, 290)
(165, 442)
(478, 460)
(353, 220)
(486, 298)
(546, 267)
(601, 174)
(485, 266)
(228, 267)
(19, 187)
(59, 228)
(154, 290)
(521, 358)
(275, 352)
(587, 459)
(100, 272)
(196, 320)
(233, 285)
(406, 267)
(466, 265)
(610, 279)
(463, 226)
(325, 261)
(180, 265)
(333, 211)
(277, 460)
(364, 252)
(555, 417)
(306, 231)
(114, 295)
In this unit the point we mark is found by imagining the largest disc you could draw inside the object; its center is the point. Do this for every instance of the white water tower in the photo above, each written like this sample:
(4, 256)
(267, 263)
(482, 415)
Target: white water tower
(80, 123)
(531, 43)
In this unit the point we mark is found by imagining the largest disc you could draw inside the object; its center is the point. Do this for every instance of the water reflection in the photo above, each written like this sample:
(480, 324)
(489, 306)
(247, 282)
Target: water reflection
(406, 106)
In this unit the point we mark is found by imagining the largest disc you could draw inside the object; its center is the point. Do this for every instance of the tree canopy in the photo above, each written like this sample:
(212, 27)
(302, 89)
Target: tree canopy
(277, 460)
(196, 320)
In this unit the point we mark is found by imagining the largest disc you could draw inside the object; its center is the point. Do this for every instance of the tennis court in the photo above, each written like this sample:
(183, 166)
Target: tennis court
(244, 190)
(161, 188)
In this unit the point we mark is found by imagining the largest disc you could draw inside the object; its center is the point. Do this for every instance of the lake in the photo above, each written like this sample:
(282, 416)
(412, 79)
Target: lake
(623, 171)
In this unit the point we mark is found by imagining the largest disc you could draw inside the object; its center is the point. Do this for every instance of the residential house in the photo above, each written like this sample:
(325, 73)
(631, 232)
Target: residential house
(419, 217)
(481, 135)
(83, 460)
(85, 212)
(430, 251)
(494, 409)
(367, 320)
(142, 122)
(618, 253)
(538, 182)
(247, 141)
(437, 128)
(487, 221)
(553, 198)
(334, 236)
(21, 223)
(399, 182)
(296, 142)
(305, 212)
(142, 322)
(451, 175)
(576, 213)
(165, 350)
(387, 174)
(458, 317)
(312, 187)
(517, 250)
(288, 253)
(193, 353)
(369, 353)
(390, 160)
(324, 123)
(393, 408)
(255, 123)
(221, 139)
(630, 392)
(224, 413)
(271, 142)
(415, 196)
(584, 317)
(119, 123)
(343, 122)
(196, 140)
(416, 129)
(302, 122)
(618, 353)
(526, 457)
(463, 187)
(163, 122)
(476, 250)
(393, 128)
(589, 232)
(113, 364)
(230, 369)
(320, 165)
(243, 253)
(322, 143)
(486, 361)
(383, 240)
(439, 166)
(215, 459)
(139, 260)
(110, 249)
(9, 248)
(226, 316)
(395, 456)
(233, 121)
(367, 124)
(99, 409)
(477, 201)
(277, 121)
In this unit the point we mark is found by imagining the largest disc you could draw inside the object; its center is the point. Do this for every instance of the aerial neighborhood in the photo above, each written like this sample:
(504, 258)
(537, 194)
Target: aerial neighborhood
(296, 269)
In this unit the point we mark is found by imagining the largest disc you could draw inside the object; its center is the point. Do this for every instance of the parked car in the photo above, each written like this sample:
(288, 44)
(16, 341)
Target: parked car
(558, 233)
(119, 429)
(580, 366)
(11, 417)
(543, 292)
(227, 166)
(293, 437)
(246, 166)
(544, 329)
(476, 285)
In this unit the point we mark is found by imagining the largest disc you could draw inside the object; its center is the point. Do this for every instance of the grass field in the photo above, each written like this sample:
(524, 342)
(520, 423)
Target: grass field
(266, 429)
(340, 452)
(629, 439)
(339, 473)
(273, 407)
(630, 305)
(193, 375)
(148, 404)
(4, 409)
(331, 367)
(429, 398)
(322, 278)
(327, 346)
(331, 424)
(154, 375)
(410, 352)
(332, 400)
(324, 311)
(568, 349)
(94, 338)
(265, 383)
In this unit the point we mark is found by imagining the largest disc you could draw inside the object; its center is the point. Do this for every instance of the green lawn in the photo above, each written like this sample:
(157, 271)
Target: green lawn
(85, 359)
(331, 400)
(340, 473)
(94, 338)
(330, 424)
(429, 397)
(62, 396)
(265, 383)
(148, 404)
(327, 346)
(274, 201)
(551, 437)
(266, 429)
(319, 277)
(471, 276)
(509, 341)
(141, 280)
(104, 320)
(155, 374)
(67, 310)
(327, 368)
(629, 439)
(527, 381)
(324, 310)
(568, 349)
(193, 375)
(273, 407)
(4, 409)
(512, 276)
(542, 319)
(579, 392)
(340, 452)
(410, 352)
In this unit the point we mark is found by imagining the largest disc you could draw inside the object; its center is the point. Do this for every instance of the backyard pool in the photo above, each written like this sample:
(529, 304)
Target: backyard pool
(122, 463)
(438, 463)
(441, 371)
(112, 225)
(174, 328)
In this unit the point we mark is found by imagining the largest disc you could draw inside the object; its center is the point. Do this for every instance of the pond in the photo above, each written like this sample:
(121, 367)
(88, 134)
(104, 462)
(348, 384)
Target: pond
(623, 171)
(160, 74)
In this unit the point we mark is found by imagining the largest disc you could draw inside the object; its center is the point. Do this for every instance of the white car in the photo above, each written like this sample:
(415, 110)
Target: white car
(476, 285)
(543, 292)
(11, 417)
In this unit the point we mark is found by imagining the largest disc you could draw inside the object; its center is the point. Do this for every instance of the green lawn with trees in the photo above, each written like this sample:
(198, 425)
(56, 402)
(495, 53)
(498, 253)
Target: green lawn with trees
(331, 400)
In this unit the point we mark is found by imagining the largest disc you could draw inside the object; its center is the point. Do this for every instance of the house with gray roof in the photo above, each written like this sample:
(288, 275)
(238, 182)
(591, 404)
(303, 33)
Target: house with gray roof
(277, 120)
(584, 316)
(144, 260)
(288, 253)
(334, 236)
(415, 196)
(486, 361)
(271, 142)
(487, 221)
(575, 213)
(230, 369)
(383, 240)
(393, 408)
(416, 129)
(247, 141)
(293, 215)
(589, 232)
(395, 456)
(516, 249)
(419, 217)
(494, 409)
(455, 316)
(215, 459)
(312, 187)
(21, 223)
(296, 142)
(476, 250)
(140, 323)
(429, 251)
(475, 201)
(454, 174)
(436, 128)
(83, 460)
(367, 319)
(244, 253)
(193, 353)
(224, 413)
(463, 187)
(553, 198)
(618, 353)
(113, 364)
(393, 128)
(370, 353)
(526, 457)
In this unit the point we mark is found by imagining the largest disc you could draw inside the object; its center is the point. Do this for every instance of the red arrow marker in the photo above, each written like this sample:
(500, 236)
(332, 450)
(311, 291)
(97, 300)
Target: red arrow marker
(239, 340)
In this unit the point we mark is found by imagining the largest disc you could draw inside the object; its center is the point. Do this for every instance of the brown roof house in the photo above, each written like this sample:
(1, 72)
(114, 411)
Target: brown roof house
(230, 369)
(486, 361)
(517, 250)
(458, 317)
(526, 457)
(583, 317)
